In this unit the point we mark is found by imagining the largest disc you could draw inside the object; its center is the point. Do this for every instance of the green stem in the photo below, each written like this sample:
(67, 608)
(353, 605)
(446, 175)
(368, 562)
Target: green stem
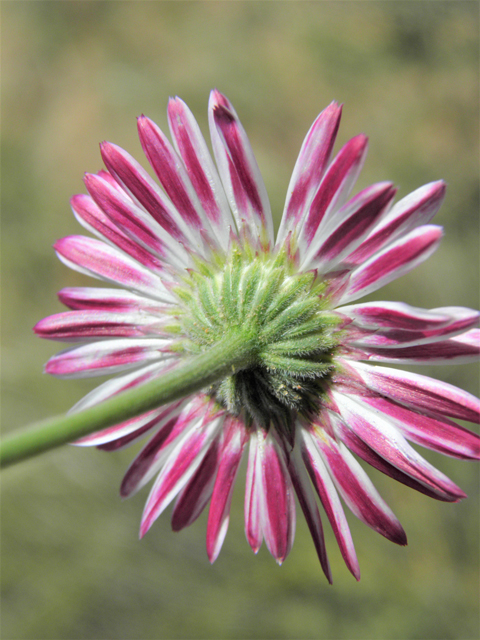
(234, 352)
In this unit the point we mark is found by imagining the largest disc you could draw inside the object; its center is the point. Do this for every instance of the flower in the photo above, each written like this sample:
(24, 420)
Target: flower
(197, 263)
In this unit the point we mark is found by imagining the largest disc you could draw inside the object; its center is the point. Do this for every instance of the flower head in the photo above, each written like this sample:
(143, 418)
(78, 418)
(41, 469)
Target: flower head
(197, 264)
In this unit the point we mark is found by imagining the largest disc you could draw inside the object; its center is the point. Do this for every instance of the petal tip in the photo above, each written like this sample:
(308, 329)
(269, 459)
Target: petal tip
(144, 527)
(37, 328)
(222, 114)
(399, 536)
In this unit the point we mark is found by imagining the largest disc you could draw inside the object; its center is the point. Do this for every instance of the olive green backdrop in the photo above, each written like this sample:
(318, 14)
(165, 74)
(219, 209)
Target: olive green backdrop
(75, 73)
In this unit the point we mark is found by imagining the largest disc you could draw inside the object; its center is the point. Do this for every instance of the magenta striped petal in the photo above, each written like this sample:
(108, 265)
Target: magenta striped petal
(129, 217)
(235, 439)
(99, 260)
(361, 449)
(418, 208)
(92, 218)
(150, 459)
(238, 168)
(171, 173)
(379, 434)
(306, 498)
(139, 425)
(105, 175)
(358, 491)
(462, 349)
(129, 438)
(439, 434)
(393, 325)
(201, 170)
(394, 261)
(397, 315)
(328, 495)
(123, 212)
(335, 186)
(419, 392)
(278, 517)
(349, 226)
(254, 494)
(181, 465)
(198, 411)
(309, 169)
(145, 191)
(139, 434)
(73, 326)
(154, 454)
(114, 300)
(106, 357)
(122, 383)
(194, 497)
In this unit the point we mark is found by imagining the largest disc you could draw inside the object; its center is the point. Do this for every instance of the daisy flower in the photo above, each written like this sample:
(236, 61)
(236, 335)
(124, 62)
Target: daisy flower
(199, 270)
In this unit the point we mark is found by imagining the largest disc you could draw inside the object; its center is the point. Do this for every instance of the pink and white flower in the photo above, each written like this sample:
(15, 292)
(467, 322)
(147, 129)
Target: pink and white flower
(198, 255)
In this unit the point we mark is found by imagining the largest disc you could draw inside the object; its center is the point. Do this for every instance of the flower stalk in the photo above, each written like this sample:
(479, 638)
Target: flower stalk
(234, 352)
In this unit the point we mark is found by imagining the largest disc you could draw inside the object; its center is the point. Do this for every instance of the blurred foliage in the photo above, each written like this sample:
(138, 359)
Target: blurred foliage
(75, 73)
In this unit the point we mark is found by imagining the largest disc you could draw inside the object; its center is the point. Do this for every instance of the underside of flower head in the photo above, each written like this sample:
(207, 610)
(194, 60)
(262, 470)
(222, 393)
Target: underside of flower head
(259, 294)
(197, 265)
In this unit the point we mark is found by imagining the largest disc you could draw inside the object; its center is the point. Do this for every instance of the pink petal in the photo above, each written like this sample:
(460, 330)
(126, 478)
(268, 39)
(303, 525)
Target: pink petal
(201, 170)
(328, 495)
(129, 173)
(311, 164)
(148, 462)
(396, 260)
(99, 260)
(238, 168)
(179, 468)
(134, 222)
(194, 497)
(361, 449)
(171, 173)
(75, 326)
(92, 218)
(426, 326)
(306, 498)
(114, 300)
(419, 392)
(396, 315)
(139, 425)
(438, 434)
(459, 350)
(132, 438)
(235, 438)
(278, 517)
(418, 208)
(106, 357)
(358, 491)
(379, 434)
(254, 495)
(350, 225)
(154, 454)
(105, 175)
(122, 383)
(335, 186)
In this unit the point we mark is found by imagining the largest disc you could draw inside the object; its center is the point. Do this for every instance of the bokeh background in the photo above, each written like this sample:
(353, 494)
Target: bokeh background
(75, 73)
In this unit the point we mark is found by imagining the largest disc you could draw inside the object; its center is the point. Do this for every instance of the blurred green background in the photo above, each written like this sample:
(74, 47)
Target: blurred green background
(75, 73)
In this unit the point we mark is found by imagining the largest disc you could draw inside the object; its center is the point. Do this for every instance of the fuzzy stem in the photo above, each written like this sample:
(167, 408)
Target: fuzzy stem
(234, 352)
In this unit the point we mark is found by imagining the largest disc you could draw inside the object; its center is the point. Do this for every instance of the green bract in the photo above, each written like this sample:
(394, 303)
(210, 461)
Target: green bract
(260, 295)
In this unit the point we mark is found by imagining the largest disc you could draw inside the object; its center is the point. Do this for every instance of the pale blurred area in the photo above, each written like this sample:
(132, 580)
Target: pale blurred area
(76, 73)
